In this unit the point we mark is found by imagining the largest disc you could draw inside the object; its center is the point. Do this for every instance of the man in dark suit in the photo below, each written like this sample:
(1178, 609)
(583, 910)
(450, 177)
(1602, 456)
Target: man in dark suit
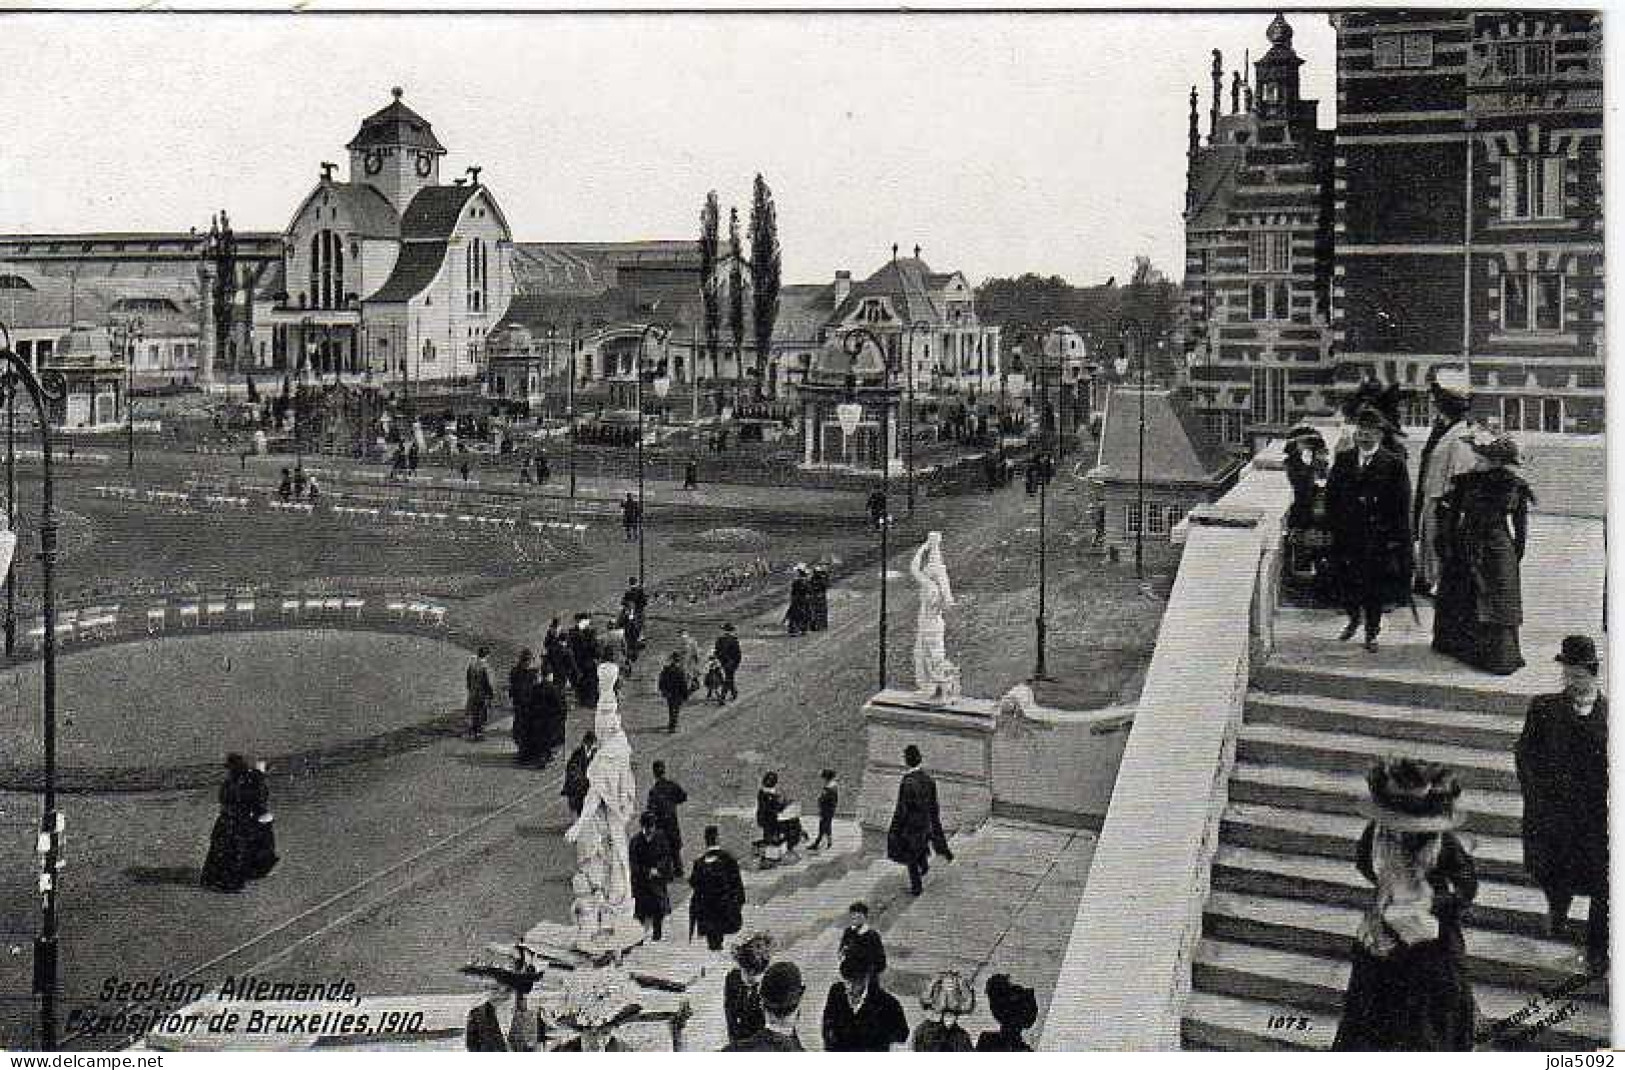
(781, 1005)
(584, 655)
(665, 796)
(858, 935)
(729, 656)
(916, 824)
(715, 909)
(1562, 761)
(1368, 510)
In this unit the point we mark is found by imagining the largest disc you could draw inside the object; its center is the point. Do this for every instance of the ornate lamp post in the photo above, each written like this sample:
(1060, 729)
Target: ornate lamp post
(658, 333)
(14, 376)
(130, 334)
(855, 340)
(1133, 326)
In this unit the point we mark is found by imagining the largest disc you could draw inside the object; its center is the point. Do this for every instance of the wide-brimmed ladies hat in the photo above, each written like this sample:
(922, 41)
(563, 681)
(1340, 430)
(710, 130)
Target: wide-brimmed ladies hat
(1371, 416)
(1012, 1006)
(1304, 435)
(1411, 795)
(1502, 450)
(949, 993)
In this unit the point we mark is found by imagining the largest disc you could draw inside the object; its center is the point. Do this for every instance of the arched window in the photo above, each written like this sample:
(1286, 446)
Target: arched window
(474, 269)
(326, 270)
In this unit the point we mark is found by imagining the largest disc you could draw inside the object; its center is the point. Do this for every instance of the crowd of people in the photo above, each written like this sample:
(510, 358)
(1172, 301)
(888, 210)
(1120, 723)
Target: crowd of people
(1373, 543)
(762, 999)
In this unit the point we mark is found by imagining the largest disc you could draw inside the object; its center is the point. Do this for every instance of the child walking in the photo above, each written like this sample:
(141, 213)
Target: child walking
(827, 800)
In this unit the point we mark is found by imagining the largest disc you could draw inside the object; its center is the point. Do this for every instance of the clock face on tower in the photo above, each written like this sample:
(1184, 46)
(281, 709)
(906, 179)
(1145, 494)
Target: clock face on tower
(373, 161)
(425, 164)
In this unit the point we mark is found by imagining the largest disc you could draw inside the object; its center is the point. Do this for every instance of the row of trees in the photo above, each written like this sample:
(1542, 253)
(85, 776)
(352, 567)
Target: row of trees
(764, 268)
(1096, 312)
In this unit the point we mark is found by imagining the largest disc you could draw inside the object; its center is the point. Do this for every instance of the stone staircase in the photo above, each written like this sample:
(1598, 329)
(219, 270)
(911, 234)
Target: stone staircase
(1271, 969)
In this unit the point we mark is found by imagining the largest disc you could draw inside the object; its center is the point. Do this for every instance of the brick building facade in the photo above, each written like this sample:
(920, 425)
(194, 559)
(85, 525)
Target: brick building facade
(1452, 218)
(1258, 240)
(1469, 207)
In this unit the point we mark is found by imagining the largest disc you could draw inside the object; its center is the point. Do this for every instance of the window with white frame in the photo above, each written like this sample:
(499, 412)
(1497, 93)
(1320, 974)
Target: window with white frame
(1532, 187)
(1532, 301)
(1524, 59)
(1390, 51)
(1131, 518)
(1156, 521)
(1269, 251)
(1270, 301)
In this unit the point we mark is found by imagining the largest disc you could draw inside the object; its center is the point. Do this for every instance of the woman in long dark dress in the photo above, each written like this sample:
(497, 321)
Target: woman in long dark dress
(1483, 528)
(1408, 990)
(260, 856)
(226, 868)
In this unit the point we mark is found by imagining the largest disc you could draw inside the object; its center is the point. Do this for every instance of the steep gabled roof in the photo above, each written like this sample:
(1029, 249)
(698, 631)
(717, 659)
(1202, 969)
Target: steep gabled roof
(396, 125)
(1214, 180)
(369, 210)
(434, 212)
(905, 283)
(415, 269)
(1178, 449)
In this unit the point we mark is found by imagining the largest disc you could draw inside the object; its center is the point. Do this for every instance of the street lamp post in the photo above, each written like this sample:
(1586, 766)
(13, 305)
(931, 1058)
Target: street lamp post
(570, 407)
(659, 334)
(1042, 624)
(856, 338)
(1133, 326)
(908, 443)
(15, 375)
(130, 334)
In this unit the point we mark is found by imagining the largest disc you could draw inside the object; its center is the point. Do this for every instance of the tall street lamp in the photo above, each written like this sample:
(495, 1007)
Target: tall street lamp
(130, 334)
(658, 333)
(854, 342)
(570, 407)
(908, 443)
(15, 375)
(1044, 445)
(1132, 326)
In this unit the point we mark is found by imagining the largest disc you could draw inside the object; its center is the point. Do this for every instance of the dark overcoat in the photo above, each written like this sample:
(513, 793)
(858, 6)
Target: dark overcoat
(916, 824)
(1368, 512)
(650, 859)
(665, 796)
(719, 894)
(1562, 761)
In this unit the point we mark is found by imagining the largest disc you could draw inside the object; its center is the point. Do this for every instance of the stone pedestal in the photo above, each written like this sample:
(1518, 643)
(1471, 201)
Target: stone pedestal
(956, 741)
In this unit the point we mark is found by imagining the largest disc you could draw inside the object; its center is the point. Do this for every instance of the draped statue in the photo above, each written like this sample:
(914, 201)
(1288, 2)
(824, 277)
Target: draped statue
(936, 677)
(603, 881)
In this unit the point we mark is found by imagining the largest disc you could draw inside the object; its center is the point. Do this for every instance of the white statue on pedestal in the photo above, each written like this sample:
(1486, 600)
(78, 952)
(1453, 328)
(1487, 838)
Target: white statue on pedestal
(936, 677)
(603, 881)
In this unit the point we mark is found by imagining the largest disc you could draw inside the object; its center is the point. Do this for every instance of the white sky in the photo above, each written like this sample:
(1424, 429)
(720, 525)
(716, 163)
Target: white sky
(1000, 143)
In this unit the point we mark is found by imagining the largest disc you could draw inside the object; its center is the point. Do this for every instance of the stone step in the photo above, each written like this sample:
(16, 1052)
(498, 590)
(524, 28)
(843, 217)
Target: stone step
(1345, 752)
(1493, 813)
(1514, 908)
(1215, 1022)
(1511, 960)
(1275, 979)
(1468, 691)
(1489, 731)
(1331, 835)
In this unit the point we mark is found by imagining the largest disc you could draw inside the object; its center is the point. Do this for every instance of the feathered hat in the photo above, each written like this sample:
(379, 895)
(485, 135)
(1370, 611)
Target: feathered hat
(1373, 394)
(949, 993)
(1411, 795)
(1013, 1006)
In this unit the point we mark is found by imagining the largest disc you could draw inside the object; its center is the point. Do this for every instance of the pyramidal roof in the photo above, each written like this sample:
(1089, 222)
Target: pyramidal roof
(396, 125)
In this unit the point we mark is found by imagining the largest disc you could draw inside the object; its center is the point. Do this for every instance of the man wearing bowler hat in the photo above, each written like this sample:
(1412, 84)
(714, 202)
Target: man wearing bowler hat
(1562, 760)
(1368, 497)
(781, 992)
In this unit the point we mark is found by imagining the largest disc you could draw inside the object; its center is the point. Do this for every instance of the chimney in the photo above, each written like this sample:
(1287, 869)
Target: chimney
(1218, 92)
(843, 287)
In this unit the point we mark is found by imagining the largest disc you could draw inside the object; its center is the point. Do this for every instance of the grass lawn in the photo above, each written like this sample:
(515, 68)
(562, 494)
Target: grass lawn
(180, 702)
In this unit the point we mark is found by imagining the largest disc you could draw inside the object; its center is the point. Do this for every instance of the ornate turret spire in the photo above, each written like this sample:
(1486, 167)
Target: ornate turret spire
(1194, 138)
(1218, 92)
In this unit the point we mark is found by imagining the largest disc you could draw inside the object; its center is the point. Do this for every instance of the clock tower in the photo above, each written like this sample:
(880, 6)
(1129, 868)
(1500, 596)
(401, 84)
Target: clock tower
(396, 153)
